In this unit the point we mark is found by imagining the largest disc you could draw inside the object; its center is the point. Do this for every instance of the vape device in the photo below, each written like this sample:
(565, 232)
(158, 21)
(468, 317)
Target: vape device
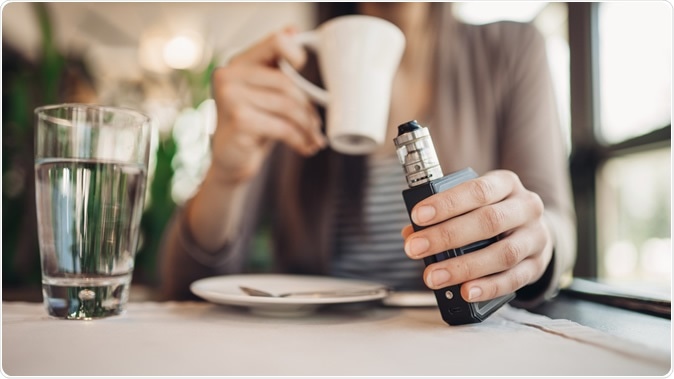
(424, 177)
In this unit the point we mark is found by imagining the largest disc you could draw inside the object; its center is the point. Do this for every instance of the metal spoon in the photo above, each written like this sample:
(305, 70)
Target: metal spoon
(256, 292)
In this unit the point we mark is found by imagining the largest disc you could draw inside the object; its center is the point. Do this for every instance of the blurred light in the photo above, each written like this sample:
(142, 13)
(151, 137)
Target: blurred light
(183, 51)
(621, 259)
(483, 12)
(656, 256)
(634, 206)
(150, 52)
(163, 113)
(192, 159)
(209, 112)
(635, 67)
(161, 50)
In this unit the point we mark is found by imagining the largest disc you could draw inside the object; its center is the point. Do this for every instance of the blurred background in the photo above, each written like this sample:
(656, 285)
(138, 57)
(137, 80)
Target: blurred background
(610, 61)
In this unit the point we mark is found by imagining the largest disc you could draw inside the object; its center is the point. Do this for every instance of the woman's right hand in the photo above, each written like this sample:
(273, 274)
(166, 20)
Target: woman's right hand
(258, 105)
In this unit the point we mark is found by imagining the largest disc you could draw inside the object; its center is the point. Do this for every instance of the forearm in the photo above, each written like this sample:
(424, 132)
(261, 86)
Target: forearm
(214, 213)
(177, 267)
(222, 237)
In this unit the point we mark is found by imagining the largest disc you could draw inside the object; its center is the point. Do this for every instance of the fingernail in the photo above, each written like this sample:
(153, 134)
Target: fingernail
(423, 214)
(474, 293)
(416, 246)
(437, 278)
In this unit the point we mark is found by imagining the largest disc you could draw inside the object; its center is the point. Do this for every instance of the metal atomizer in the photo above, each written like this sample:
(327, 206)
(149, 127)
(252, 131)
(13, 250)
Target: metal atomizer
(424, 177)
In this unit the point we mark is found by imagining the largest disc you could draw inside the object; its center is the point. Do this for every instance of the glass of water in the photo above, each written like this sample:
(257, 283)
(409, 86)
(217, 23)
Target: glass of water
(90, 171)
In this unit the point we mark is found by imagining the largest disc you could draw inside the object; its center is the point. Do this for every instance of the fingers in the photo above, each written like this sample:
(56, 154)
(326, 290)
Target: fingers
(479, 224)
(247, 119)
(494, 204)
(488, 189)
(501, 268)
(407, 231)
(287, 114)
(500, 284)
(497, 257)
(472, 211)
(266, 78)
(303, 117)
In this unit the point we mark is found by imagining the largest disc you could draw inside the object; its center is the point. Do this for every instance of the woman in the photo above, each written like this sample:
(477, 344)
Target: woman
(487, 98)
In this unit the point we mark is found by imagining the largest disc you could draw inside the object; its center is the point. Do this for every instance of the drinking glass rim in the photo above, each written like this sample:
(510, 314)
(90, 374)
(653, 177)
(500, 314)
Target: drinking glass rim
(40, 111)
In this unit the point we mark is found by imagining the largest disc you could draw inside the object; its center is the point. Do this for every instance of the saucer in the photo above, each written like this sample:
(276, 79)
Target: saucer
(410, 299)
(225, 290)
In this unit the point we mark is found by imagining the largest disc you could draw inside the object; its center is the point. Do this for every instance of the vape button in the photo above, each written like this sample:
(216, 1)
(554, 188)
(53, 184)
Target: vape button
(449, 295)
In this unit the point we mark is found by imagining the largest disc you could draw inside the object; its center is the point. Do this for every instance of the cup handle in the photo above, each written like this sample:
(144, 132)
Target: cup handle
(319, 95)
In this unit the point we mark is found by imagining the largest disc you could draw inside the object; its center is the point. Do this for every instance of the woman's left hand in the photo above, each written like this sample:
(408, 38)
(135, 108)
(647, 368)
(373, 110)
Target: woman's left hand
(494, 204)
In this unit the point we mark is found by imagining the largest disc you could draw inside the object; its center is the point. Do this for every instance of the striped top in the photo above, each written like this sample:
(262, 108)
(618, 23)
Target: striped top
(374, 251)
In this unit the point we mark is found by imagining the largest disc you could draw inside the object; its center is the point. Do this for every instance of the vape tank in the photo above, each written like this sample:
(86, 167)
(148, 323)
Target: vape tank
(424, 177)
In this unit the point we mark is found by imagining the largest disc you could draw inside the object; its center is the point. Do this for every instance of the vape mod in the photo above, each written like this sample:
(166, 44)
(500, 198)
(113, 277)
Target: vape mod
(424, 177)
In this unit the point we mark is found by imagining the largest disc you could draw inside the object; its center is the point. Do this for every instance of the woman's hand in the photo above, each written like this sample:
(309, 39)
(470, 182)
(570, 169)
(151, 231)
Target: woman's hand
(258, 105)
(494, 204)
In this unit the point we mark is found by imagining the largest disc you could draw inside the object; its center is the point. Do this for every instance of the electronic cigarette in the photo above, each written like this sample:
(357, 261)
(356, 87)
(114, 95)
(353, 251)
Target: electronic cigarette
(424, 177)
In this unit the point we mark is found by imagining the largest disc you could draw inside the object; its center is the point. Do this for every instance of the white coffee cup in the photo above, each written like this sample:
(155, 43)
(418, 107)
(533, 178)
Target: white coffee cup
(358, 57)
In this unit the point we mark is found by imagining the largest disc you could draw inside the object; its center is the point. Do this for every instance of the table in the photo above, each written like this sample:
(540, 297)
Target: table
(640, 328)
(199, 338)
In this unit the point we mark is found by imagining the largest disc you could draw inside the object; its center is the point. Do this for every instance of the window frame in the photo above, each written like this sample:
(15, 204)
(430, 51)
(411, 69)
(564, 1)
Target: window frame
(588, 153)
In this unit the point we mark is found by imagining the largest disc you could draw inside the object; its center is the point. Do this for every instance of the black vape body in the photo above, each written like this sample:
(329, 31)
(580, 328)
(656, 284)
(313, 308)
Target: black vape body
(424, 176)
(453, 308)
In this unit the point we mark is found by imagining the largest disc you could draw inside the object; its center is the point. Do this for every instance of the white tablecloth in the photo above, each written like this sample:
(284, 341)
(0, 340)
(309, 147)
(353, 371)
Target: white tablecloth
(192, 338)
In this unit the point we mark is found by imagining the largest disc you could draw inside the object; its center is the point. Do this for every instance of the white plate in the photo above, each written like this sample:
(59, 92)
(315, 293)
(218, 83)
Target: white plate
(411, 299)
(225, 290)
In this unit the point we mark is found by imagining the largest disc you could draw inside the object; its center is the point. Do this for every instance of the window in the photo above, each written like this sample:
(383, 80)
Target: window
(621, 138)
(633, 209)
(635, 68)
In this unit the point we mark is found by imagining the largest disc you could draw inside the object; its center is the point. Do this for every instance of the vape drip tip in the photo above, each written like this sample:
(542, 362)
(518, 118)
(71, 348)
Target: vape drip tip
(417, 154)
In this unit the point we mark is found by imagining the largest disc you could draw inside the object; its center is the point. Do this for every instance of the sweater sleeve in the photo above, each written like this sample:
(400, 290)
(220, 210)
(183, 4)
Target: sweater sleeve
(532, 146)
(182, 261)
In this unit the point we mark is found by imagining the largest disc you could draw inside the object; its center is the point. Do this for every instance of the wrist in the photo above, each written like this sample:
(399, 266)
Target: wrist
(226, 177)
(213, 214)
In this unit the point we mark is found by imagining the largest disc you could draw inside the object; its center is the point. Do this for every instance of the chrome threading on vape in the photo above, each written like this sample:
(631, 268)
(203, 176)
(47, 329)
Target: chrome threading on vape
(417, 154)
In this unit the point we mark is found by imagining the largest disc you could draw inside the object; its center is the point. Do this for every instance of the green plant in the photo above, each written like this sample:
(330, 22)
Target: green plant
(26, 85)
